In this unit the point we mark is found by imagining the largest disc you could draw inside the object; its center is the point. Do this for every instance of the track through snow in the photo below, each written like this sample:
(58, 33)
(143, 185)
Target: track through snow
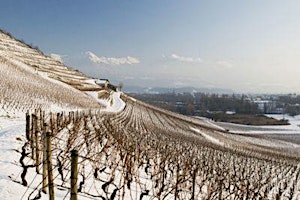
(208, 137)
(113, 104)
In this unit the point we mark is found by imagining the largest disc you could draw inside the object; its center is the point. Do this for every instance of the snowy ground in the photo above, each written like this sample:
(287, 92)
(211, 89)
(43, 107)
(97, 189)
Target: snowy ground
(12, 138)
(208, 137)
(285, 137)
(293, 128)
(11, 132)
(113, 104)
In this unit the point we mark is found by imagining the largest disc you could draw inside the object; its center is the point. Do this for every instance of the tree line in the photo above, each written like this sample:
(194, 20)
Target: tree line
(204, 103)
(201, 103)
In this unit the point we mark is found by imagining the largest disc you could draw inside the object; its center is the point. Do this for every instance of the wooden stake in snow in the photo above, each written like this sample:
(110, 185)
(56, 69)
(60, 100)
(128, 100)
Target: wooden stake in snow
(177, 183)
(74, 174)
(37, 146)
(27, 126)
(49, 166)
(32, 138)
(44, 184)
(194, 183)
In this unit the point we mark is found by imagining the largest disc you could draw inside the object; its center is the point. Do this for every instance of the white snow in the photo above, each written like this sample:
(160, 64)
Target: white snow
(264, 142)
(91, 81)
(208, 137)
(10, 130)
(132, 99)
(17, 62)
(293, 128)
(12, 138)
(113, 104)
(209, 122)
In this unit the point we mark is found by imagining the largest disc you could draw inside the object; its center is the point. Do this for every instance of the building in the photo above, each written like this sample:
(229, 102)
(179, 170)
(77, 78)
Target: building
(102, 82)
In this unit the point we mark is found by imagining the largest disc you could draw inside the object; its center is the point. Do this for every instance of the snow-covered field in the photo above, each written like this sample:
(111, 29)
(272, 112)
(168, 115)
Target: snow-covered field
(12, 138)
(293, 128)
(286, 137)
(127, 148)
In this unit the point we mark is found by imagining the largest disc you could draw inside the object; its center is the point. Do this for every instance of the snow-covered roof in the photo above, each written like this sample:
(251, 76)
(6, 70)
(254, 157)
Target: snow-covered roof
(101, 81)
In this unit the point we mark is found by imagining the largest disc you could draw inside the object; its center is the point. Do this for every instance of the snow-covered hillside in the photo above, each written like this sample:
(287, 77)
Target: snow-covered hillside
(18, 53)
(146, 153)
(22, 90)
(26, 84)
(127, 148)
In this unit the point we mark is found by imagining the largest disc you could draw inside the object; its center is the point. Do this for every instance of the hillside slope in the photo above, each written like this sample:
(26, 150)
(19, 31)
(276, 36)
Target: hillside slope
(18, 52)
(128, 150)
(143, 152)
(30, 80)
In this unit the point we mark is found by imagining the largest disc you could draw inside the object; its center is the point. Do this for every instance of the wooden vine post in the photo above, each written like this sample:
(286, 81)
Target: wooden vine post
(33, 132)
(37, 145)
(49, 167)
(42, 114)
(194, 183)
(177, 183)
(27, 126)
(45, 168)
(74, 175)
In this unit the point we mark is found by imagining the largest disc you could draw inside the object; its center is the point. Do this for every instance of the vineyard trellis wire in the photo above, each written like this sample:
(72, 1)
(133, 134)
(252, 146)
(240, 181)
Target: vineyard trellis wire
(147, 153)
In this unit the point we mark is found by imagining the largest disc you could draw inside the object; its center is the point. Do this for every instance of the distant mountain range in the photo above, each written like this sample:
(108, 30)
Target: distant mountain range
(159, 90)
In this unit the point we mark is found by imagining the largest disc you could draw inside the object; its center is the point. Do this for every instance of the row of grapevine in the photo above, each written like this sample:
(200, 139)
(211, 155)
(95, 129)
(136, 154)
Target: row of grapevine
(22, 90)
(29, 57)
(147, 153)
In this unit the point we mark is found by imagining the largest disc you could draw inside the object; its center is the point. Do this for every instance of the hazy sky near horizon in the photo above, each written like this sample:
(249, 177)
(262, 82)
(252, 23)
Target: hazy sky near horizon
(246, 46)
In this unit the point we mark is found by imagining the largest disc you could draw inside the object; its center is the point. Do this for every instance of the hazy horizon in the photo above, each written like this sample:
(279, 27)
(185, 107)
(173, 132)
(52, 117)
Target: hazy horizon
(244, 46)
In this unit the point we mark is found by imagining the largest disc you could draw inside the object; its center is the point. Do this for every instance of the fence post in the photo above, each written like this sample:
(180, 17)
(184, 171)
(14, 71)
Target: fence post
(42, 115)
(52, 124)
(49, 166)
(70, 117)
(32, 138)
(58, 120)
(74, 174)
(27, 126)
(194, 183)
(177, 182)
(37, 146)
(44, 139)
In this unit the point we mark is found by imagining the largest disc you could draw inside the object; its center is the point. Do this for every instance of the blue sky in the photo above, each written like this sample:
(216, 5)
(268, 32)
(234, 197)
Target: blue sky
(246, 46)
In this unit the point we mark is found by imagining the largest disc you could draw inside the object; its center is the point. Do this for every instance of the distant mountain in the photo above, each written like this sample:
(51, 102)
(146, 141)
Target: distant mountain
(159, 90)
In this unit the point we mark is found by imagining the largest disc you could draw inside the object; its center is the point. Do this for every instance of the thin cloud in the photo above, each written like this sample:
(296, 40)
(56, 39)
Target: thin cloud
(186, 59)
(112, 61)
(57, 57)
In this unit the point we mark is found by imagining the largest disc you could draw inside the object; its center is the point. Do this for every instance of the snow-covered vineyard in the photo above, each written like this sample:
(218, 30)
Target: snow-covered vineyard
(126, 149)
(146, 153)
